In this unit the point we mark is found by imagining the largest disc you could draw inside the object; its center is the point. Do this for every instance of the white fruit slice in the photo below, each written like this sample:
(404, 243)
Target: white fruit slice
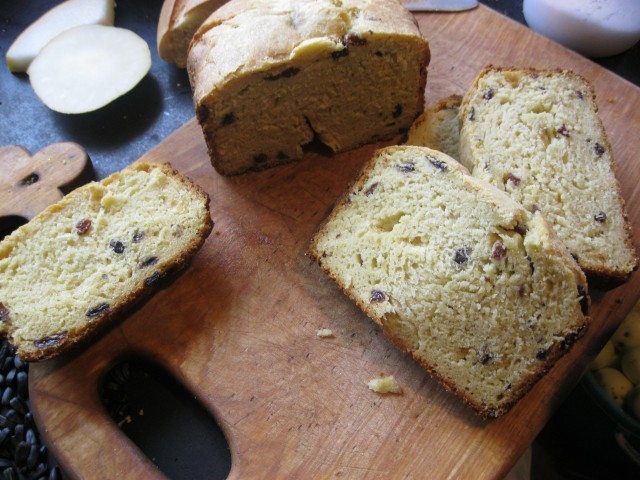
(87, 67)
(69, 14)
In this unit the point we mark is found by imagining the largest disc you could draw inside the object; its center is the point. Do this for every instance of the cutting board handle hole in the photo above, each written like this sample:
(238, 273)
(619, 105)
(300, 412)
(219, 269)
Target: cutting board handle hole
(165, 421)
(10, 223)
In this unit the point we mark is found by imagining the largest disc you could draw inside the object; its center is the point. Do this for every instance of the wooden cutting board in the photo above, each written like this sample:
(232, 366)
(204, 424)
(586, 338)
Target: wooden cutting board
(238, 328)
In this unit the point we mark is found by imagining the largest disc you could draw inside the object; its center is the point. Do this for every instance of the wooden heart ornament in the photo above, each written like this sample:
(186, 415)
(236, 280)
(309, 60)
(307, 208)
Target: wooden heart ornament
(30, 183)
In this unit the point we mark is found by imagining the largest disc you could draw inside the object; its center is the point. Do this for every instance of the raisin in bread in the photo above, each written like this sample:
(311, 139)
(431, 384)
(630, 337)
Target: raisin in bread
(536, 134)
(82, 261)
(179, 20)
(472, 285)
(274, 79)
(438, 127)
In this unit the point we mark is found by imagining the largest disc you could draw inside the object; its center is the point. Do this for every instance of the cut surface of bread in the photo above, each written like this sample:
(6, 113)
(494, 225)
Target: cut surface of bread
(438, 127)
(476, 288)
(536, 134)
(275, 79)
(179, 20)
(88, 257)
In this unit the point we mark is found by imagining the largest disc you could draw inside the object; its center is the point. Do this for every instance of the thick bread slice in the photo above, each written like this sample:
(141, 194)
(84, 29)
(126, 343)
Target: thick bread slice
(275, 79)
(475, 287)
(438, 127)
(84, 260)
(536, 134)
(179, 20)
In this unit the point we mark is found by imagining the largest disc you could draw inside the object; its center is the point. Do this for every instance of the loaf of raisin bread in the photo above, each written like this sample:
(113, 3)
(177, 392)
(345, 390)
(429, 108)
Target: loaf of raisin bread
(179, 20)
(275, 79)
(475, 287)
(84, 260)
(536, 135)
(438, 127)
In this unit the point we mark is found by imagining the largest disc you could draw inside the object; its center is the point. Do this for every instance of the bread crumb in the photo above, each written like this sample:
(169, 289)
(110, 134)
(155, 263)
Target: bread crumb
(324, 333)
(386, 384)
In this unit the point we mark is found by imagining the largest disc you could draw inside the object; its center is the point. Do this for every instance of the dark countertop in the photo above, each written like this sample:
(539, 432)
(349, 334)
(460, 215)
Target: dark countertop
(120, 133)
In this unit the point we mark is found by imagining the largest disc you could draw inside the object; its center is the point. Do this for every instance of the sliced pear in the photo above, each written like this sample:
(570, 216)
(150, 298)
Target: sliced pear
(87, 67)
(67, 15)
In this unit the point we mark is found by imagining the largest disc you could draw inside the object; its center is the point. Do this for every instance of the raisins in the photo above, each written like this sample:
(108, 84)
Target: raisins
(371, 189)
(571, 338)
(599, 149)
(138, 235)
(485, 358)
(377, 296)
(563, 130)
(511, 178)
(499, 250)
(578, 94)
(600, 217)
(153, 279)
(228, 119)
(260, 158)
(98, 310)
(5, 316)
(83, 226)
(117, 246)
(288, 73)
(438, 164)
(472, 115)
(488, 94)
(541, 354)
(147, 262)
(354, 39)
(461, 256)
(406, 167)
(50, 341)
(340, 53)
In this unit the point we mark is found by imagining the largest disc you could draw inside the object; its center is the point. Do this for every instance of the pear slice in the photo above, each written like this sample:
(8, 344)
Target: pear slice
(69, 14)
(87, 67)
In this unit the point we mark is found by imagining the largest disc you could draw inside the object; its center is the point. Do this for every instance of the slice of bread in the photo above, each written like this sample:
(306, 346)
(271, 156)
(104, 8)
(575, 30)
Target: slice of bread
(275, 80)
(179, 20)
(438, 127)
(536, 134)
(84, 260)
(476, 288)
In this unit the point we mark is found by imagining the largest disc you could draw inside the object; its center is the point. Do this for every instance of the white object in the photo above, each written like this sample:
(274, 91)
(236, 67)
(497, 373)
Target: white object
(595, 28)
(89, 66)
(69, 14)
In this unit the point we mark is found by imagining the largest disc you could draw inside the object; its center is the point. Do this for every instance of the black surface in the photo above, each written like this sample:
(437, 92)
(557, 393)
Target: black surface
(119, 134)
(114, 136)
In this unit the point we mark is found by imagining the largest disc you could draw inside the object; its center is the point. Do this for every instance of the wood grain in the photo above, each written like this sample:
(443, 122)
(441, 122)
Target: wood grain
(30, 183)
(238, 328)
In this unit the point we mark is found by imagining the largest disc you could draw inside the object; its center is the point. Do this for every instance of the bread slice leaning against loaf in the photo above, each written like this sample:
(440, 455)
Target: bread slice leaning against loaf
(536, 134)
(273, 80)
(179, 20)
(84, 260)
(476, 288)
